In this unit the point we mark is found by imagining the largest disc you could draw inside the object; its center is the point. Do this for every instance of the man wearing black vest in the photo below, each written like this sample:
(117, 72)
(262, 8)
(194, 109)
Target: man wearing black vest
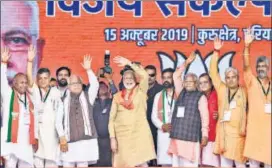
(190, 120)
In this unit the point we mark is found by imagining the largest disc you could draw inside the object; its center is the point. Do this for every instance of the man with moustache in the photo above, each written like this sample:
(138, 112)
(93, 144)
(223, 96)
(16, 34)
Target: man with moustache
(163, 107)
(153, 88)
(19, 133)
(19, 30)
(75, 124)
(232, 101)
(63, 74)
(48, 103)
(131, 139)
(258, 139)
(190, 120)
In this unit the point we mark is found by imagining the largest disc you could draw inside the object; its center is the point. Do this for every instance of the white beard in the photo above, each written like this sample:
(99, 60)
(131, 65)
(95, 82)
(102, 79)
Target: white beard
(130, 86)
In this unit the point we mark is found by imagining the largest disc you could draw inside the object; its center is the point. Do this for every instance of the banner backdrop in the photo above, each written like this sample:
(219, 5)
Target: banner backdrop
(162, 33)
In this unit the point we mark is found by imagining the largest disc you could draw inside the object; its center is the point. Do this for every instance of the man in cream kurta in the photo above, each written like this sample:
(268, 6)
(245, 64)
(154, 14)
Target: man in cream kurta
(75, 124)
(164, 103)
(258, 139)
(231, 127)
(47, 103)
(20, 152)
(131, 138)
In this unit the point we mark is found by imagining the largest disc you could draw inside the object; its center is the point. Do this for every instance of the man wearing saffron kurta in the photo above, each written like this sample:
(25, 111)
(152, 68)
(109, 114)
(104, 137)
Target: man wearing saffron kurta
(206, 87)
(75, 124)
(231, 127)
(131, 138)
(258, 139)
(18, 133)
(163, 107)
(47, 101)
(190, 120)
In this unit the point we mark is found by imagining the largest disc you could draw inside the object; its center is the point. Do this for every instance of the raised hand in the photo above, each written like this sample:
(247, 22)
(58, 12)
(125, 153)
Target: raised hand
(87, 62)
(218, 44)
(191, 58)
(5, 55)
(121, 61)
(249, 37)
(31, 53)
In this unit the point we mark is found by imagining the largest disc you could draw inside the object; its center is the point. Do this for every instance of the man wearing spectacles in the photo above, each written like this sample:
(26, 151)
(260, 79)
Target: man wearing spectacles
(75, 124)
(190, 120)
(19, 30)
(153, 88)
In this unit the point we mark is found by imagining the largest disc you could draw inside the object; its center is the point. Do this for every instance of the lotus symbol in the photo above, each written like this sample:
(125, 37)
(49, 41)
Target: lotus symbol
(199, 65)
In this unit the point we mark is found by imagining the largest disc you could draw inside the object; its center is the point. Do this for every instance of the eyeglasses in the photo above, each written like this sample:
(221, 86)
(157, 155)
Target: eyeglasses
(76, 83)
(152, 75)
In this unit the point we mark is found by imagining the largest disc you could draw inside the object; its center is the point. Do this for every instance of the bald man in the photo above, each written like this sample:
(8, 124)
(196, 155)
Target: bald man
(19, 30)
(18, 134)
(75, 125)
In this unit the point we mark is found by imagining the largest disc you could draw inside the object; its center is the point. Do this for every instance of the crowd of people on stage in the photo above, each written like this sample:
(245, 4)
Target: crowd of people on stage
(183, 122)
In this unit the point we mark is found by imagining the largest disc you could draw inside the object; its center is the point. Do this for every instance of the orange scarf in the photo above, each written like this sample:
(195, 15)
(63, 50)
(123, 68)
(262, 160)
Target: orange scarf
(128, 104)
(13, 123)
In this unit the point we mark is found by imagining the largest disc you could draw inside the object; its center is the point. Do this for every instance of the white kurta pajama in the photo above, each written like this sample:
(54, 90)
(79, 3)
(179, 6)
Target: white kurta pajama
(21, 151)
(163, 139)
(47, 105)
(84, 150)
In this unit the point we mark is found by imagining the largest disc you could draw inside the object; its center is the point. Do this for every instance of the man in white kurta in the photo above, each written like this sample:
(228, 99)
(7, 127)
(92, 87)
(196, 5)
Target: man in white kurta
(47, 102)
(62, 74)
(163, 106)
(75, 125)
(21, 152)
(47, 106)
